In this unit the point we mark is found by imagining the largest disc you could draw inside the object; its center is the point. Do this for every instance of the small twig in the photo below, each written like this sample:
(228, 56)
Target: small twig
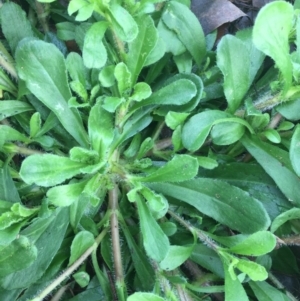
(42, 15)
(275, 121)
(71, 268)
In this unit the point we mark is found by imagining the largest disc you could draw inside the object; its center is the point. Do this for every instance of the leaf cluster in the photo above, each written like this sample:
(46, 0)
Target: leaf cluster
(139, 163)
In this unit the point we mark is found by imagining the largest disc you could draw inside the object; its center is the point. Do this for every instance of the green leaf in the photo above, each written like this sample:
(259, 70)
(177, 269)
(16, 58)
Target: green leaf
(227, 133)
(176, 256)
(106, 76)
(265, 292)
(197, 128)
(295, 150)
(65, 31)
(123, 23)
(43, 232)
(17, 256)
(234, 290)
(208, 258)
(124, 78)
(271, 35)
(255, 271)
(50, 84)
(35, 124)
(227, 204)
(94, 53)
(170, 39)
(152, 233)
(272, 135)
(184, 23)
(13, 107)
(84, 7)
(81, 242)
(157, 203)
(100, 139)
(82, 278)
(22, 211)
(83, 155)
(180, 168)
(234, 60)
(141, 91)
(177, 93)
(48, 170)
(141, 46)
(207, 162)
(257, 244)
(174, 119)
(7, 133)
(65, 195)
(76, 68)
(276, 163)
(15, 26)
(144, 297)
(140, 260)
(8, 190)
(291, 214)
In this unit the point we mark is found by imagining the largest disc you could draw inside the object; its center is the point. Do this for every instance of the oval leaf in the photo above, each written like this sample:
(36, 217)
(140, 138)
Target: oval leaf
(81, 242)
(293, 213)
(257, 244)
(94, 53)
(180, 168)
(271, 35)
(227, 204)
(50, 83)
(48, 170)
(295, 150)
(156, 242)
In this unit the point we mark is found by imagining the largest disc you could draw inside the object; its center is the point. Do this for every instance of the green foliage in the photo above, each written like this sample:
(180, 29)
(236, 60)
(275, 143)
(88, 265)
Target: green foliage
(138, 165)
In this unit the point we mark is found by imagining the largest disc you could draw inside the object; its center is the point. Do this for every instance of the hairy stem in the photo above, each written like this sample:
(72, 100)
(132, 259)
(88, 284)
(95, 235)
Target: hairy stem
(42, 15)
(275, 121)
(71, 268)
(115, 236)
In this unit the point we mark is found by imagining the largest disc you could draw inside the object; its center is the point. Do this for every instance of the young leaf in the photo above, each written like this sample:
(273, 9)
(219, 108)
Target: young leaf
(65, 195)
(84, 7)
(140, 48)
(83, 155)
(276, 163)
(100, 139)
(35, 124)
(291, 214)
(255, 271)
(271, 35)
(123, 23)
(13, 107)
(155, 241)
(180, 168)
(227, 204)
(15, 25)
(177, 93)
(256, 244)
(48, 170)
(81, 242)
(7, 133)
(94, 53)
(76, 68)
(234, 290)
(17, 256)
(184, 23)
(233, 59)
(124, 78)
(295, 150)
(197, 128)
(141, 91)
(50, 84)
